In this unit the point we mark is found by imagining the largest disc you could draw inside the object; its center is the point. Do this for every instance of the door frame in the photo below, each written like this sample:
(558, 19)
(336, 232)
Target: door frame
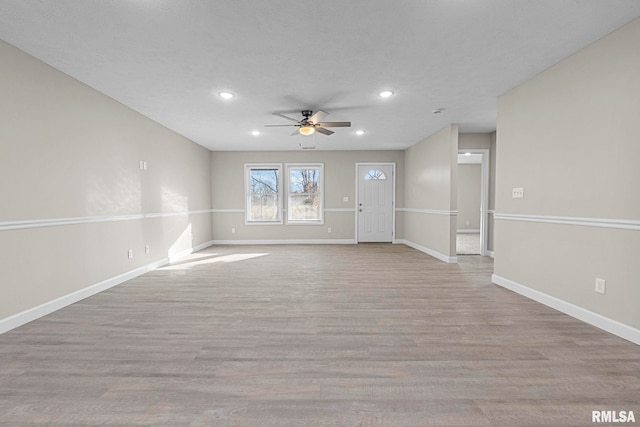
(484, 196)
(393, 196)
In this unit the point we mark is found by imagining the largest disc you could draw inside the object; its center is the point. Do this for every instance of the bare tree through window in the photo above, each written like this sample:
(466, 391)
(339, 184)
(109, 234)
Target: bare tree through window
(264, 195)
(304, 194)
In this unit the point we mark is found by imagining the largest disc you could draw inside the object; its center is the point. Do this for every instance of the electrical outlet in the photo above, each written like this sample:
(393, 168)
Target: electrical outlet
(601, 285)
(345, 199)
(233, 230)
(517, 193)
(146, 249)
(130, 253)
(329, 230)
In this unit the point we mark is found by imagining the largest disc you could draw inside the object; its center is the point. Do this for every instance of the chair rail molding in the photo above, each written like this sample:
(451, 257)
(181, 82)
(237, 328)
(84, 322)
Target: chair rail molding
(56, 222)
(567, 220)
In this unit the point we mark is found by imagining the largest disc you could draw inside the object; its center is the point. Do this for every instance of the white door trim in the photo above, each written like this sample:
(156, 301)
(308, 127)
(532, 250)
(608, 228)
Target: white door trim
(393, 196)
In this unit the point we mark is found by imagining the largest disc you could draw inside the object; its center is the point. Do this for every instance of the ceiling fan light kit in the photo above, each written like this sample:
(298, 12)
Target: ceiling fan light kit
(307, 130)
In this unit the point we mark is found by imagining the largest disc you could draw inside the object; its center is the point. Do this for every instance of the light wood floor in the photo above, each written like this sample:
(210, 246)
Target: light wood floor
(349, 335)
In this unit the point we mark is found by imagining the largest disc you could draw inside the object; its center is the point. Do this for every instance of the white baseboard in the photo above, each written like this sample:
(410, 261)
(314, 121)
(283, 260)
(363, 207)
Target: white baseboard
(287, 242)
(19, 319)
(435, 254)
(468, 231)
(612, 326)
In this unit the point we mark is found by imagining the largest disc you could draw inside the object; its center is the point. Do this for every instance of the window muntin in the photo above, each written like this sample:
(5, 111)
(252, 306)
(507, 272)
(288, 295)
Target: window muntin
(263, 191)
(305, 194)
(375, 174)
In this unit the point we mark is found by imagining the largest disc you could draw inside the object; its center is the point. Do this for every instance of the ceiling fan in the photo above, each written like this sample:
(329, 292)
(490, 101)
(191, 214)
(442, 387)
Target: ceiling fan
(312, 123)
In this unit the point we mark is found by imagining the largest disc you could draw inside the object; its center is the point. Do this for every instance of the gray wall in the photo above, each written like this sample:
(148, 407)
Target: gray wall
(430, 198)
(74, 199)
(227, 183)
(570, 137)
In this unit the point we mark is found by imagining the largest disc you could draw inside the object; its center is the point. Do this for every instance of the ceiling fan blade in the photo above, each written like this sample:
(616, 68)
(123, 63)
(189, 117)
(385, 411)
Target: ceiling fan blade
(295, 132)
(323, 130)
(334, 124)
(319, 115)
(274, 126)
(286, 117)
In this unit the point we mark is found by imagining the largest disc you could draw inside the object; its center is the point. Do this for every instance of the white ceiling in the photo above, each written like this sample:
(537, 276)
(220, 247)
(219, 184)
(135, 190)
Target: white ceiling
(168, 59)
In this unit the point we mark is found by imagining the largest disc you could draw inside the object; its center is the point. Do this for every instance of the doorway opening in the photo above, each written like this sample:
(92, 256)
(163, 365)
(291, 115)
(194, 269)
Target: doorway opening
(473, 201)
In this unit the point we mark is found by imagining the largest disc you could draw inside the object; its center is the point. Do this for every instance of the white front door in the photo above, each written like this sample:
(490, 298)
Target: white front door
(375, 202)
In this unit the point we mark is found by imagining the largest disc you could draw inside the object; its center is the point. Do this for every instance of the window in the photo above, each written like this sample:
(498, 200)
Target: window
(264, 195)
(375, 174)
(305, 194)
(263, 186)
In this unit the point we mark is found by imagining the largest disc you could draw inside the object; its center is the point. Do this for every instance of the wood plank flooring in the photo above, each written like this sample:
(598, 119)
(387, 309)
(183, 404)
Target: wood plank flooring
(345, 335)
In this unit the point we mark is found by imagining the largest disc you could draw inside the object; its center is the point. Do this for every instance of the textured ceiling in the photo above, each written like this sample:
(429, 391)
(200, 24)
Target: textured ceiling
(168, 59)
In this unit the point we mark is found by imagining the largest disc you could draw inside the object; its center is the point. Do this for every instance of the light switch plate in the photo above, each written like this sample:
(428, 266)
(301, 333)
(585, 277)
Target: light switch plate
(517, 192)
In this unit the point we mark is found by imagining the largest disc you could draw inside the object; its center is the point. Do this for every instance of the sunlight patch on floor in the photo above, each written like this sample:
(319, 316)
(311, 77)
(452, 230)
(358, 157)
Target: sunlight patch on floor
(211, 259)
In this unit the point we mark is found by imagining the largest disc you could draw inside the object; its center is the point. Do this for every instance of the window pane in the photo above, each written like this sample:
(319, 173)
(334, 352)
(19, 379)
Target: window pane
(264, 181)
(304, 207)
(264, 208)
(375, 174)
(303, 180)
(263, 200)
(304, 193)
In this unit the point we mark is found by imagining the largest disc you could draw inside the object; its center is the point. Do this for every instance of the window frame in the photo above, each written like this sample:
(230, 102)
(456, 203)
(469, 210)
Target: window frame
(288, 168)
(248, 167)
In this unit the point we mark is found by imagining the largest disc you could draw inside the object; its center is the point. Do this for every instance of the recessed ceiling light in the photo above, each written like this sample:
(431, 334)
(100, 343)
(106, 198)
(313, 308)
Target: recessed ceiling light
(385, 94)
(255, 132)
(359, 132)
(225, 95)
